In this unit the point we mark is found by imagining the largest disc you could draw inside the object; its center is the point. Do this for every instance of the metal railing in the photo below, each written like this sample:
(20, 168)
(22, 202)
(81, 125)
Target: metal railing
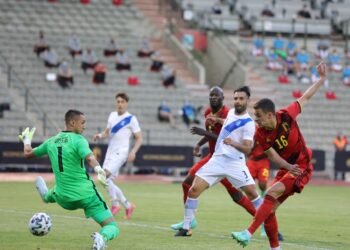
(29, 100)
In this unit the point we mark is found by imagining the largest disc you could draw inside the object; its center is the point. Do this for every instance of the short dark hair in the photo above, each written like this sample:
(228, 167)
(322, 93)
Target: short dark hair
(245, 89)
(122, 95)
(265, 105)
(72, 114)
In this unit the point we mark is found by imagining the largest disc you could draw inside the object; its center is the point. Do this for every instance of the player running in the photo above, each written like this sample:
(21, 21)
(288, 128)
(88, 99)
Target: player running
(228, 161)
(120, 126)
(74, 189)
(215, 116)
(284, 144)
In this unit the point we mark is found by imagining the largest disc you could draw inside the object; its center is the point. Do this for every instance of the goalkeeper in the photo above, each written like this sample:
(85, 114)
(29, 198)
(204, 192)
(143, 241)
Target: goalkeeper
(74, 188)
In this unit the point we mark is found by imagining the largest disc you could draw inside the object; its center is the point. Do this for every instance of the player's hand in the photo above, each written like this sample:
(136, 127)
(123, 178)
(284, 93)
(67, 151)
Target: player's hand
(131, 156)
(101, 175)
(295, 170)
(197, 131)
(97, 137)
(27, 135)
(211, 120)
(228, 141)
(196, 151)
(322, 70)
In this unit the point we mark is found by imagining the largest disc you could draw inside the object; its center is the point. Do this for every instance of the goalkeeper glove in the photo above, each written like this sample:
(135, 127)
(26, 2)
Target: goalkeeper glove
(101, 175)
(27, 135)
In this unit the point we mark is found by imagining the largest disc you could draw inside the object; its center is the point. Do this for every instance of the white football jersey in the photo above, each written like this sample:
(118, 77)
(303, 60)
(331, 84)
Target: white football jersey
(121, 127)
(238, 128)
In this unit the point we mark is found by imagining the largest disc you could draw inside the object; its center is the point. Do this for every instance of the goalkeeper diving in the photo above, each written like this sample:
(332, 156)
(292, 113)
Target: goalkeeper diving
(74, 189)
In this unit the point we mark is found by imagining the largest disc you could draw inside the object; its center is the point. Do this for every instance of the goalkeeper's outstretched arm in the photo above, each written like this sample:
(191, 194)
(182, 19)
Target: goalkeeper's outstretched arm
(26, 137)
(101, 175)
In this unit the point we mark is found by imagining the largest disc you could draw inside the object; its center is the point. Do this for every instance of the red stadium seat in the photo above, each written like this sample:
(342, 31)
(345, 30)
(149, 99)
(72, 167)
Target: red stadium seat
(283, 79)
(117, 2)
(297, 93)
(133, 80)
(85, 1)
(330, 95)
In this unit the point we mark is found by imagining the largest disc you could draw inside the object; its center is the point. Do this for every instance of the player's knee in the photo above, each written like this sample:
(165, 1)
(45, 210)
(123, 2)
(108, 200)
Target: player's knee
(250, 191)
(194, 192)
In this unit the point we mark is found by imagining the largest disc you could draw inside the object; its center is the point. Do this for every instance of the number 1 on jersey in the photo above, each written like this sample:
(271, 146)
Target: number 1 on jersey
(60, 164)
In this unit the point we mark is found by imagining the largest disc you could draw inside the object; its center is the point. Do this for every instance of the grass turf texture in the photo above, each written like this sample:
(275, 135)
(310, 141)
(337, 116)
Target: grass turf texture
(317, 219)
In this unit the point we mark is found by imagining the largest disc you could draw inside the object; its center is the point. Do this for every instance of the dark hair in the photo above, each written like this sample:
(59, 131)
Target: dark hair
(72, 114)
(245, 89)
(265, 105)
(122, 95)
(218, 89)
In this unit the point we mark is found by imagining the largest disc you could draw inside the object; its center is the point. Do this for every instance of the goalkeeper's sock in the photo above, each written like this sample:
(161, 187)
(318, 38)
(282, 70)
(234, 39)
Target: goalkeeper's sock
(262, 213)
(110, 231)
(271, 229)
(185, 188)
(190, 209)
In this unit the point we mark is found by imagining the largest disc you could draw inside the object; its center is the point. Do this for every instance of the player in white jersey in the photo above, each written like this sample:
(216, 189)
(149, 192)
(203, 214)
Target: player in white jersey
(120, 127)
(228, 161)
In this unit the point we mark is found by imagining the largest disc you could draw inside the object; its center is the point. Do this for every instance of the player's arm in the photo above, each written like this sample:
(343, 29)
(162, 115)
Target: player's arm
(212, 119)
(245, 147)
(200, 143)
(28, 151)
(136, 147)
(321, 68)
(203, 132)
(276, 158)
(102, 135)
(26, 137)
(101, 175)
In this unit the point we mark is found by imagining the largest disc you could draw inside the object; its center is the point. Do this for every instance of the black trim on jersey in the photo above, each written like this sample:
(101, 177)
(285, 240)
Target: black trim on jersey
(81, 163)
(98, 195)
(66, 131)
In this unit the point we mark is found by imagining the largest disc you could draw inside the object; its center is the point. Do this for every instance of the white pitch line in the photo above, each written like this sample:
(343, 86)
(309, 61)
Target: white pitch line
(159, 228)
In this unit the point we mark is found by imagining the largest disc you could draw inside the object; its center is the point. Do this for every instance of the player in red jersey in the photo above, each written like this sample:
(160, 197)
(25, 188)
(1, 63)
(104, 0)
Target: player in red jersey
(259, 167)
(215, 116)
(282, 141)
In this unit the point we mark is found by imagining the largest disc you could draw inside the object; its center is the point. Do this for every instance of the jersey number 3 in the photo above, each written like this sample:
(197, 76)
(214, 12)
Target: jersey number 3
(60, 164)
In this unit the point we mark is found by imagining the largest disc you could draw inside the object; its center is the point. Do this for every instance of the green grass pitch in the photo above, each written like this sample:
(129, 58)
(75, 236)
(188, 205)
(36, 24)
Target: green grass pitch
(317, 219)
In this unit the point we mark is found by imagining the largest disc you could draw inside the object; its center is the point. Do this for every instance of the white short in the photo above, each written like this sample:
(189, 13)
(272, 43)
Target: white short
(114, 162)
(221, 166)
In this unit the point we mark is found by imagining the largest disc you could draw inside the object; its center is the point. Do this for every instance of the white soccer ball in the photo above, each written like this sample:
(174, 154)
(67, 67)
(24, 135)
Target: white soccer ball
(40, 224)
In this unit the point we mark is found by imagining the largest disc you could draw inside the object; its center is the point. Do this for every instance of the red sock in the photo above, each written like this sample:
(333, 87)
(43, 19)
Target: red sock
(262, 213)
(185, 188)
(238, 197)
(271, 229)
(247, 205)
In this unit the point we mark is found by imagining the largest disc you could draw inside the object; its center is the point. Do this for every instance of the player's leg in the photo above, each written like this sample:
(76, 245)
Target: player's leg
(97, 208)
(186, 185)
(238, 197)
(112, 167)
(207, 176)
(47, 195)
(263, 175)
(191, 205)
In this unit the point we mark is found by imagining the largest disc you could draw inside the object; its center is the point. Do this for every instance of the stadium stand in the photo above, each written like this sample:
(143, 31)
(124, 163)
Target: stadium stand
(94, 24)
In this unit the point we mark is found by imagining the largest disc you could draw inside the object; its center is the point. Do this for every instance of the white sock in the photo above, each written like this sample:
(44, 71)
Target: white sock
(121, 197)
(276, 248)
(190, 210)
(111, 191)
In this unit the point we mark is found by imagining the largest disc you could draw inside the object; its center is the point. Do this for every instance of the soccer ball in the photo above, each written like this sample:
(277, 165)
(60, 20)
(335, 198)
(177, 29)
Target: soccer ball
(40, 224)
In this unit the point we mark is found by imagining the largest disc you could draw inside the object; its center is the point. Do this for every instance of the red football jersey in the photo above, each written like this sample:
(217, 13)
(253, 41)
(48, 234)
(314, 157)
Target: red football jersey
(257, 153)
(222, 113)
(286, 138)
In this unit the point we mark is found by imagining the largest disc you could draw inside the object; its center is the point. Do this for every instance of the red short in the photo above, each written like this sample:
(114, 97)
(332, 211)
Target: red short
(259, 169)
(293, 184)
(201, 163)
